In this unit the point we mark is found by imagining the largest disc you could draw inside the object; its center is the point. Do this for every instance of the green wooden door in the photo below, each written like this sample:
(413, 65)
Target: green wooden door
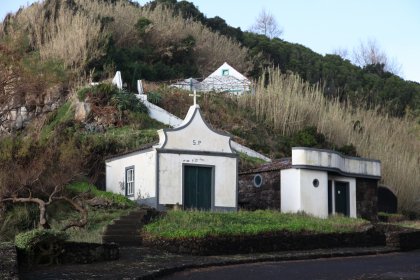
(342, 198)
(197, 187)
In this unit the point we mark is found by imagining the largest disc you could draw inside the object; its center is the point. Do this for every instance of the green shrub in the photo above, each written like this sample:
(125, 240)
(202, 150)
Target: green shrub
(17, 219)
(142, 24)
(308, 137)
(40, 246)
(82, 93)
(348, 150)
(108, 94)
(116, 199)
(154, 97)
(123, 100)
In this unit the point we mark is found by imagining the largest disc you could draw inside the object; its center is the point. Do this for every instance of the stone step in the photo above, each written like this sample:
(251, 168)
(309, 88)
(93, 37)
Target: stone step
(125, 231)
(136, 214)
(122, 231)
(133, 223)
(123, 227)
(130, 218)
(133, 240)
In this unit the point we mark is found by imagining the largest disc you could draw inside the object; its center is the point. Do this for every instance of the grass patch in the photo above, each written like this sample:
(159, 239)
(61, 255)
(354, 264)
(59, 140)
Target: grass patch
(190, 224)
(63, 114)
(410, 224)
(118, 139)
(391, 217)
(117, 199)
(247, 162)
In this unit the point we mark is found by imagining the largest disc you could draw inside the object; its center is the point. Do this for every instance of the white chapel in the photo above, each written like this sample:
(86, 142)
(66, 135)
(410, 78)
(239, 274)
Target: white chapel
(192, 167)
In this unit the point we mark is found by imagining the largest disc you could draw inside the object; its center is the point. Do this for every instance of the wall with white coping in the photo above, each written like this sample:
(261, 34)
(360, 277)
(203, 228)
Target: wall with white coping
(249, 152)
(160, 114)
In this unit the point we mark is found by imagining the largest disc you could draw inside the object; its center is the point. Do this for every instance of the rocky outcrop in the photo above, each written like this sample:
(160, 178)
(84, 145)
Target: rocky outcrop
(82, 111)
(18, 108)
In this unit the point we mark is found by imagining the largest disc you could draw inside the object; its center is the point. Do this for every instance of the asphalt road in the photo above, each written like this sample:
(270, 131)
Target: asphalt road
(390, 266)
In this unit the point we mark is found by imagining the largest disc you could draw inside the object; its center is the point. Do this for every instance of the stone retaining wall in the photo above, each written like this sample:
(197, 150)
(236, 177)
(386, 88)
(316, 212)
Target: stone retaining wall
(74, 253)
(8, 262)
(79, 252)
(400, 237)
(280, 241)
(409, 240)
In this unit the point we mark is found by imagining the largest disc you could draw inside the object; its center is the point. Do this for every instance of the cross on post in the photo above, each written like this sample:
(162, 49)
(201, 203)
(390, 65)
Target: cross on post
(195, 97)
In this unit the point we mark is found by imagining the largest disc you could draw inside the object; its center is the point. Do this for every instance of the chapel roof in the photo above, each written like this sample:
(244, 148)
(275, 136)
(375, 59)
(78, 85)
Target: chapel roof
(132, 151)
(276, 164)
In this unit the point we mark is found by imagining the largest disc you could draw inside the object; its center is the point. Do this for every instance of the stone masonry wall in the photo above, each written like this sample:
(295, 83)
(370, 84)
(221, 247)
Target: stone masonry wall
(270, 242)
(367, 198)
(80, 252)
(8, 262)
(267, 196)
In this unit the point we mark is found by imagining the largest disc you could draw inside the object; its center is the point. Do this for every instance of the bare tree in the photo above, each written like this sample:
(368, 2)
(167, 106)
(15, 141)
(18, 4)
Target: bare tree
(370, 53)
(41, 180)
(266, 24)
(341, 52)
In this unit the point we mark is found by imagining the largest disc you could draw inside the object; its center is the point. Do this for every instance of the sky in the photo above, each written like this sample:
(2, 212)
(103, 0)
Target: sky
(323, 25)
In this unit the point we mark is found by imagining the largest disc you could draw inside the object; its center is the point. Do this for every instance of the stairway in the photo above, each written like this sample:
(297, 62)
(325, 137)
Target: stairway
(125, 231)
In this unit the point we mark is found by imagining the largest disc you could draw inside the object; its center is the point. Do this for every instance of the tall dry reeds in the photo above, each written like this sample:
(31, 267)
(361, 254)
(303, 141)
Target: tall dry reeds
(75, 33)
(60, 32)
(287, 104)
(212, 49)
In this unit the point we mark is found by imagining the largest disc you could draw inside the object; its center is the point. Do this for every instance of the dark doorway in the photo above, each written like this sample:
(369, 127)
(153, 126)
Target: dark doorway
(329, 197)
(341, 196)
(197, 187)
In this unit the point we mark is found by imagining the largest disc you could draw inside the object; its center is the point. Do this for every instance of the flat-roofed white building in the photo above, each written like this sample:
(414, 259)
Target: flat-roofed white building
(325, 182)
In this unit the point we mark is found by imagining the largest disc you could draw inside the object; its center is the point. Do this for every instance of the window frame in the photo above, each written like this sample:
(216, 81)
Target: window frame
(130, 185)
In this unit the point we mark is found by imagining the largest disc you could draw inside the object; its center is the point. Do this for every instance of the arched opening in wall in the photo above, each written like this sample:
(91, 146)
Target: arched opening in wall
(387, 200)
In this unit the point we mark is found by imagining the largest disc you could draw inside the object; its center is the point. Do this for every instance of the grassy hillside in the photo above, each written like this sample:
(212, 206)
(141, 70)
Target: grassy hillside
(98, 37)
(65, 44)
(369, 86)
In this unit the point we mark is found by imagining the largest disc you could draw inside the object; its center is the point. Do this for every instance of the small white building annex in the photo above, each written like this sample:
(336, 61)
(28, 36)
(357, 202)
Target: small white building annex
(192, 166)
(324, 182)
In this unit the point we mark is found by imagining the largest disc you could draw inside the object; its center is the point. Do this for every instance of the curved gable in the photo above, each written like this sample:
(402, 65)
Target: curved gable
(194, 134)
